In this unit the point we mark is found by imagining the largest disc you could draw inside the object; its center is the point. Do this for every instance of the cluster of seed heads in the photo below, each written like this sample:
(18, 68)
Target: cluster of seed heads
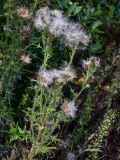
(47, 77)
(60, 26)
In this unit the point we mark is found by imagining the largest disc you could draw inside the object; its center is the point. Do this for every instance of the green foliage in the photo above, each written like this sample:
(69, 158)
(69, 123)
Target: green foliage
(102, 131)
(32, 122)
(98, 17)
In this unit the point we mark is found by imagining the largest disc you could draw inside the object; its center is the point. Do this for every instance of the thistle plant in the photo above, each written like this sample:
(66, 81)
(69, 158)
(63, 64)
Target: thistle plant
(46, 106)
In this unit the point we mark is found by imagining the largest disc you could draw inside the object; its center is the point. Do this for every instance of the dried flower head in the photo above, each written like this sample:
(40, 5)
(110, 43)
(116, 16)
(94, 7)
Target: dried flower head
(63, 74)
(69, 108)
(22, 12)
(93, 60)
(59, 25)
(42, 18)
(68, 73)
(25, 59)
(75, 36)
(56, 74)
(44, 78)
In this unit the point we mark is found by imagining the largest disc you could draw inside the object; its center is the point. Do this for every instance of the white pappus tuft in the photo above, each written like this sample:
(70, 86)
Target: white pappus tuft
(55, 73)
(25, 59)
(68, 73)
(93, 60)
(75, 35)
(63, 74)
(59, 25)
(22, 12)
(69, 108)
(42, 18)
(44, 78)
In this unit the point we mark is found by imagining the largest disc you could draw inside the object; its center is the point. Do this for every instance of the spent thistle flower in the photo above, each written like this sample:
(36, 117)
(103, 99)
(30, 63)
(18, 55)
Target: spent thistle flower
(69, 108)
(42, 18)
(44, 78)
(59, 25)
(22, 12)
(63, 74)
(68, 73)
(25, 59)
(75, 36)
(56, 74)
(91, 61)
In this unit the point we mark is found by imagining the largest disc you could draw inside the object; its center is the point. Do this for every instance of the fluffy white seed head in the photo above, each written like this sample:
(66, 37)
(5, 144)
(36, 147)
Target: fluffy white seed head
(63, 74)
(44, 78)
(22, 12)
(68, 73)
(25, 59)
(55, 73)
(42, 18)
(69, 108)
(93, 60)
(75, 35)
(58, 25)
